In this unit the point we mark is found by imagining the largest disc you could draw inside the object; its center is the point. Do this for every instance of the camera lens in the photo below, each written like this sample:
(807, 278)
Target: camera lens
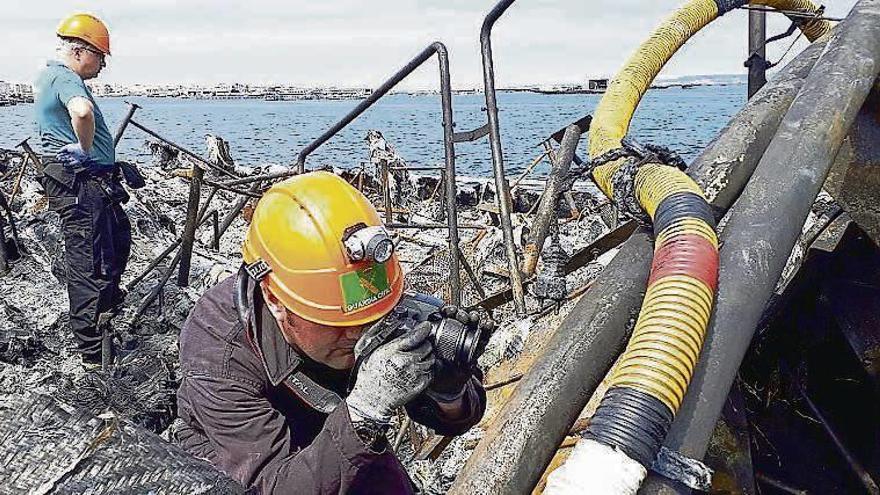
(454, 342)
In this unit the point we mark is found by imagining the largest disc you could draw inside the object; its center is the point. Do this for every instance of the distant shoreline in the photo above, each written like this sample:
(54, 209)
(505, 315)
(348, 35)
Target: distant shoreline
(361, 93)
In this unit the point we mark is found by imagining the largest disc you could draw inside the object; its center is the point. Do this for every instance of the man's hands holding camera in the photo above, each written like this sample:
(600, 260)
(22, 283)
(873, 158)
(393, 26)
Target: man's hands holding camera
(392, 375)
(405, 366)
(449, 381)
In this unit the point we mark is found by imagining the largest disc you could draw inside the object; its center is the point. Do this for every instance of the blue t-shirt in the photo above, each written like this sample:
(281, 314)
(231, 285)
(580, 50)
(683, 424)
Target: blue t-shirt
(55, 86)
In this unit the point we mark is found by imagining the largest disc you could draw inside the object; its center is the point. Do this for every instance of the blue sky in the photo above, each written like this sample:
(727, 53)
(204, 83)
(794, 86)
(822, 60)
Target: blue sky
(358, 43)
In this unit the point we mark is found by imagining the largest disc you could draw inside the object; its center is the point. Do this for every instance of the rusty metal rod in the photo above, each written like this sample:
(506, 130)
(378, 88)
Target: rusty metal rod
(779, 485)
(757, 61)
(434, 226)
(38, 163)
(528, 170)
(386, 194)
(4, 260)
(792, 14)
(857, 468)
(471, 275)
(189, 229)
(546, 213)
(449, 171)
(579, 259)
(224, 187)
(151, 297)
(502, 188)
(214, 216)
(259, 178)
(132, 108)
(227, 221)
(15, 186)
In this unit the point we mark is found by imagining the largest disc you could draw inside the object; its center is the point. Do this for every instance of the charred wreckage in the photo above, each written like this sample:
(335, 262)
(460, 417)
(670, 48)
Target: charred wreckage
(662, 327)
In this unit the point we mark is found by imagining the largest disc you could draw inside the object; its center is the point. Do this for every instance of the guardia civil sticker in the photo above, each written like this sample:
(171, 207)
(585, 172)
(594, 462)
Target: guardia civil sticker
(362, 288)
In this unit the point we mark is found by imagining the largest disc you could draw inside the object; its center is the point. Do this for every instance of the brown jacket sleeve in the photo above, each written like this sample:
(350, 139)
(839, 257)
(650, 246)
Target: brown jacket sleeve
(252, 441)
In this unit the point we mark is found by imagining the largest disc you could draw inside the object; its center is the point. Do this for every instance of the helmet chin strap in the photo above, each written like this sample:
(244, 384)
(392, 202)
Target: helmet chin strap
(311, 392)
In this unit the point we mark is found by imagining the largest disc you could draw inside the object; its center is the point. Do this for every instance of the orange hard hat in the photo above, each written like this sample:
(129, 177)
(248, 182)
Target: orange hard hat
(88, 28)
(299, 236)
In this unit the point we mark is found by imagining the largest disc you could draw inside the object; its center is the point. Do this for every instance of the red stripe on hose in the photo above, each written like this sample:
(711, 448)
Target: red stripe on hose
(688, 254)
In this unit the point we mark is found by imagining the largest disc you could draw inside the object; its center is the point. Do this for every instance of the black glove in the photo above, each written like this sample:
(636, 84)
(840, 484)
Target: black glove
(449, 381)
(132, 175)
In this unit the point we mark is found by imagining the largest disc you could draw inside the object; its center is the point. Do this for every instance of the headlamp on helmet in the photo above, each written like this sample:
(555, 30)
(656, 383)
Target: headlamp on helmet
(368, 243)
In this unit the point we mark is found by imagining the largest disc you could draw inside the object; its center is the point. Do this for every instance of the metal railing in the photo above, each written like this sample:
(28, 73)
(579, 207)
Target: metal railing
(501, 185)
(449, 140)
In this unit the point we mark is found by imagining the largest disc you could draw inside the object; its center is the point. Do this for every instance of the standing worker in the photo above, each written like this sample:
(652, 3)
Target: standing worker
(267, 391)
(82, 179)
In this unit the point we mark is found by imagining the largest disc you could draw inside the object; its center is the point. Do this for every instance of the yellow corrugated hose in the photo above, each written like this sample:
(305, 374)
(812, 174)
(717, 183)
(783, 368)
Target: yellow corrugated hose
(812, 29)
(652, 376)
(669, 332)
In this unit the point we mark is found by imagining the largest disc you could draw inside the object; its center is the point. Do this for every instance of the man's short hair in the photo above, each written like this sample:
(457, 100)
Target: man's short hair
(67, 45)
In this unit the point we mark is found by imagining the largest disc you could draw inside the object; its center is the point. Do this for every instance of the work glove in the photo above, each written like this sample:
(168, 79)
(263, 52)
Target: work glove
(449, 381)
(72, 155)
(392, 375)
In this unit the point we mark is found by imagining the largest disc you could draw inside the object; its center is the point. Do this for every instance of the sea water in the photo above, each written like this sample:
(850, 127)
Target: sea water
(261, 132)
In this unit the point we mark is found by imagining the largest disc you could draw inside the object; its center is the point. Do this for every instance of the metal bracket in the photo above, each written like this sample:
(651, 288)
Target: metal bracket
(473, 135)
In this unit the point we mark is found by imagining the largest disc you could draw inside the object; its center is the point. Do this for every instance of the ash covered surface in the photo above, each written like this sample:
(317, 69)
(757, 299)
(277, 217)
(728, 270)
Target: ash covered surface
(48, 447)
(36, 346)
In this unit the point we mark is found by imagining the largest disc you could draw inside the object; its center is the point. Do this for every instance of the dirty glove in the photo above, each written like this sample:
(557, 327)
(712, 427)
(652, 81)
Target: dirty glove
(449, 381)
(391, 376)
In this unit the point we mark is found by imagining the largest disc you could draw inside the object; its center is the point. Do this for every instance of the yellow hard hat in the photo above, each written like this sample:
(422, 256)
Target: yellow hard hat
(312, 237)
(88, 28)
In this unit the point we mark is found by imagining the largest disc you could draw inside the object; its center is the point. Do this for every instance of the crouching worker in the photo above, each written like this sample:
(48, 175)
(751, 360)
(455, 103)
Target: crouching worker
(293, 368)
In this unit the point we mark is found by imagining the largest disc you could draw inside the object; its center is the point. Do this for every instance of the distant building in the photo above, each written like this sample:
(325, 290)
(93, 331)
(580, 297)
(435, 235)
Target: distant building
(22, 90)
(100, 89)
(597, 84)
(5, 88)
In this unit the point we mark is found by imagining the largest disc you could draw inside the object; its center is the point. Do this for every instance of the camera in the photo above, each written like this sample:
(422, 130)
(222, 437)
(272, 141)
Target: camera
(455, 344)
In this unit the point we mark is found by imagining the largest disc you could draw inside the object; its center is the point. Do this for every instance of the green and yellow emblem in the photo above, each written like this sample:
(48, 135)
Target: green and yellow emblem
(362, 288)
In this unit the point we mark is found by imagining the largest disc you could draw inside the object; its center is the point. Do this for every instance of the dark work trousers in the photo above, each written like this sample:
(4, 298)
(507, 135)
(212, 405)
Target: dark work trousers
(97, 243)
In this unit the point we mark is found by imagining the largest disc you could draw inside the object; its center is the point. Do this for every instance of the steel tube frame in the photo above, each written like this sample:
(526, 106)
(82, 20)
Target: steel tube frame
(546, 212)
(784, 186)
(518, 445)
(757, 61)
(434, 226)
(132, 108)
(791, 14)
(189, 229)
(501, 186)
(4, 261)
(38, 164)
(448, 146)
